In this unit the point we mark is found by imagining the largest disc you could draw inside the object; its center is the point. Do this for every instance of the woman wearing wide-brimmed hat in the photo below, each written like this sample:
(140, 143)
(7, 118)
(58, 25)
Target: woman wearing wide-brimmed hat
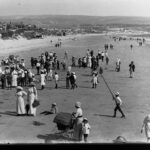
(32, 95)
(78, 123)
(20, 101)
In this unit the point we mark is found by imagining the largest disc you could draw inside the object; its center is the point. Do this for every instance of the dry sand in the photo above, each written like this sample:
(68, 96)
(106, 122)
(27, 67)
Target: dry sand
(97, 103)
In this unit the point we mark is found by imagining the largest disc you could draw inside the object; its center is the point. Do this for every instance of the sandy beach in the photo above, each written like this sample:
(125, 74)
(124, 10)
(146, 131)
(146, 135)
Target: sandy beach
(97, 103)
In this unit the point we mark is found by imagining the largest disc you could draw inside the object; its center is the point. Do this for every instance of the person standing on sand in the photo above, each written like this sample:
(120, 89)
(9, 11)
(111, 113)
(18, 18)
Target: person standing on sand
(146, 126)
(43, 75)
(131, 69)
(85, 129)
(131, 46)
(31, 96)
(56, 77)
(118, 105)
(102, 56)
(107, 60)
(14, 78)
(95, 80)
(20, 107)
(68, 80)
(118, 63)
(78, 122)
(38, 65)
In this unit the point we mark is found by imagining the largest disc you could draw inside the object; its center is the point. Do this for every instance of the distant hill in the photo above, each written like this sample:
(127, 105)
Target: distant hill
(65, 21)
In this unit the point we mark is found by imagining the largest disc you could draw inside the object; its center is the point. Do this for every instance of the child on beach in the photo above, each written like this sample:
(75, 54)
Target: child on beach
(54, 108)
(85, 129)
(56, 77)
(50, 75)
(95, 80)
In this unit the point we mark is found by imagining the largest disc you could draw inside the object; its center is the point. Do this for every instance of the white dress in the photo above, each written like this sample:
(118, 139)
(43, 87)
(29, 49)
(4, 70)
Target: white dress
(14, 78)
(147, 126)
(78, 124)
(43, 79)
(20, 107)
(95, 79)
(32, 95)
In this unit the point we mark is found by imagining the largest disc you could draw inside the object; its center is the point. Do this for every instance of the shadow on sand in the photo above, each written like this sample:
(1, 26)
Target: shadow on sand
(50, 138)
(9, 113)
(103, 115)
(36, 123)
(46, 113)
(85, 87)
(86, 75)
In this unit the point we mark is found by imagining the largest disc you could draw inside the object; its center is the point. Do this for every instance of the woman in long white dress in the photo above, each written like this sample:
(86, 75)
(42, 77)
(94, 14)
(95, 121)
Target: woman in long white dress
(14, 78)
(20, 107)
(78, 123)
(43, 78)
(146, 126)
(32, 95)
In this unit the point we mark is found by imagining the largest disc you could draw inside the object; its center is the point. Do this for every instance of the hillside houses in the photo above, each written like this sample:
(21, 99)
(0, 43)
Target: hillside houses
(12, 30)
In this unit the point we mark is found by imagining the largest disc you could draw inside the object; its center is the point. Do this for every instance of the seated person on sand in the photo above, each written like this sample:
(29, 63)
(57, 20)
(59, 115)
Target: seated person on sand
(54, 109)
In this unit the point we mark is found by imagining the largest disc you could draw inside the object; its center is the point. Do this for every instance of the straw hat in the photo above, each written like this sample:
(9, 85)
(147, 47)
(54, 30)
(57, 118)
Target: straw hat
(54, 104)
(117, 94)
(78, 104)
(19, 88)
(85, 119)
(32, 84)
(120, 139)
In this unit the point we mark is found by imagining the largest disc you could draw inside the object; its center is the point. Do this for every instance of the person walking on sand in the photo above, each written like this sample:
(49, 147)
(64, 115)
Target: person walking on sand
(31, 96)
(78, 122)
(118, 105)
(20, 107)
(131, 69)
(146, 126)
(118, 63)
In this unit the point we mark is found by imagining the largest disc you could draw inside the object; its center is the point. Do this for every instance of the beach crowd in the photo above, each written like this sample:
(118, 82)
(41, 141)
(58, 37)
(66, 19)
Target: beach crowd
(15, 74)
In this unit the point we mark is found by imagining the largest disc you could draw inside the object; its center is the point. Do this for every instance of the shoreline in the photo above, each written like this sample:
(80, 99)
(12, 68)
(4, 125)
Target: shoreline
(8, 47)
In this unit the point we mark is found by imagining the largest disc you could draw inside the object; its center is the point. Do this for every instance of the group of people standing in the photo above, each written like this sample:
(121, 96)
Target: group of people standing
(31, 95)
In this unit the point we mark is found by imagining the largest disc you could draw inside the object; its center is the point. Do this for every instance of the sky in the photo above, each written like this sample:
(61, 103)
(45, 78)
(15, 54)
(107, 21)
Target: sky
(76, 7)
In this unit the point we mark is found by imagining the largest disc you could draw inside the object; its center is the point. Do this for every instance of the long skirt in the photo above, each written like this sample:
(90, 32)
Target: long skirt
(78, 129)
(14, 80)
(32, 110)
(147, 130)
(20, 106)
